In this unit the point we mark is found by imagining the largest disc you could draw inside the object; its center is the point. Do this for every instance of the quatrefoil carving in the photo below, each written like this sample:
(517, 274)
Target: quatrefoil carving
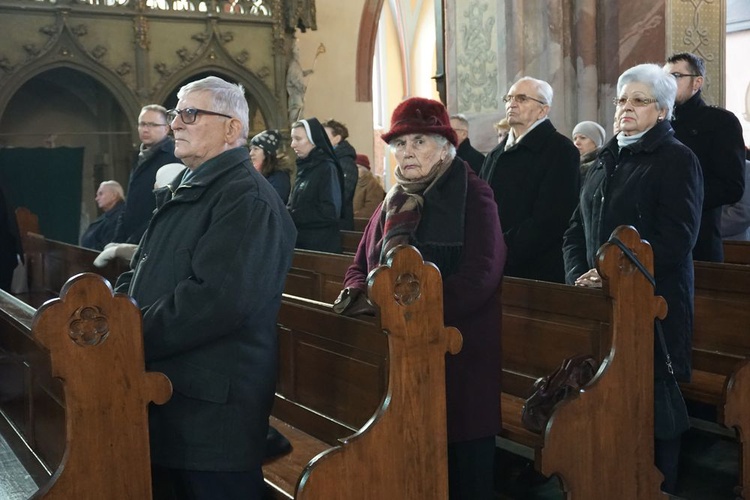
(88, 326)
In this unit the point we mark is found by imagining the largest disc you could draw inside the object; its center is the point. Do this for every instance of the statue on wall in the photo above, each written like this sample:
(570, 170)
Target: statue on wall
(296, 86)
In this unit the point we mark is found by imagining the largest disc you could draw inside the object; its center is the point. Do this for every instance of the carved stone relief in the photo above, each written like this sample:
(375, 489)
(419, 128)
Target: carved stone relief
(476, 58)
(699, 26)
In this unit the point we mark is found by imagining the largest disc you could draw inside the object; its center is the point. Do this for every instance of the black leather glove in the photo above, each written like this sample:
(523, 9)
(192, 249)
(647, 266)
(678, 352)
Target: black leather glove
(353, 302)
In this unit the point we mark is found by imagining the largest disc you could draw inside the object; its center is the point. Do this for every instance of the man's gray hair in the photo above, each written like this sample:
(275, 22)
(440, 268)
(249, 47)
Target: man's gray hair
(543, 88)
(227, 98)
(663, 85)
(116, 187)
(460, 117)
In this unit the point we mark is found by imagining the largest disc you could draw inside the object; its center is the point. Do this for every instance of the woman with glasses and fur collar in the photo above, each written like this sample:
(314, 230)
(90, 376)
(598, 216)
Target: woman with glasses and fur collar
(645, 178)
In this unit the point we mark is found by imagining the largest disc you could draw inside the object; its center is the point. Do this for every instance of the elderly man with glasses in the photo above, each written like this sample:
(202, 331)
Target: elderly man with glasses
(534, 175)
(715, 136)
(156, 150)
(208, 277)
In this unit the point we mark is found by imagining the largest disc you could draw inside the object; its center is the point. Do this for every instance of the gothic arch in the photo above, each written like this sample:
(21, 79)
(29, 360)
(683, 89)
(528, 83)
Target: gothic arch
(120, 92)
(368, 31)
(269, 105)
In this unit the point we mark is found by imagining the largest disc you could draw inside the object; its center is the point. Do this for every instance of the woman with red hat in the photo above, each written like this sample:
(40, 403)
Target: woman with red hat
(441, 207)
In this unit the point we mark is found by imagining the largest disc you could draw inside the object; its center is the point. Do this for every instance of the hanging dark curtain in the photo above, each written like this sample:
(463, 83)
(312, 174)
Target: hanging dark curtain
(48, 182)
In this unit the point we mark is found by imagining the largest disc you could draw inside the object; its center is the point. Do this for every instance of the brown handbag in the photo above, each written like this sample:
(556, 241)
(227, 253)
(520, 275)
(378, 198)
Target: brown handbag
(573, 374)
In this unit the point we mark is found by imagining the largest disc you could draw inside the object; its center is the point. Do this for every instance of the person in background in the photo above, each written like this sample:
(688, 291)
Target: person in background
(534, 174)
(208, 276)
(110, 199)
(588, 137)
(715, 136)
(157, 149)
(648, 179)
(735, 218)
(164, 176)
(465, 150)
(502, 127)
(318, 193)
(337, 134)
(441, 207)
(264, 149)
(369, 193)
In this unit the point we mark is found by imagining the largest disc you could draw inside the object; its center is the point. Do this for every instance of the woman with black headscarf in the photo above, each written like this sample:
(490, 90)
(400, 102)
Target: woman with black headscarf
(316, 198)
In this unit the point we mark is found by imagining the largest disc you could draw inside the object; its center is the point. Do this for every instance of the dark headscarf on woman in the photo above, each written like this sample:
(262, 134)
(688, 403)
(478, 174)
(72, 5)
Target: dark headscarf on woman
(317, 135)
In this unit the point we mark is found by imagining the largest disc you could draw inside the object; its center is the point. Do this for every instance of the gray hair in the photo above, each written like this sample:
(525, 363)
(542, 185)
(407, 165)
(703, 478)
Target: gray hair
(662, 84)
(114, 186)
(543, 88)
(227, 98)
(461, 118)
(439, 139)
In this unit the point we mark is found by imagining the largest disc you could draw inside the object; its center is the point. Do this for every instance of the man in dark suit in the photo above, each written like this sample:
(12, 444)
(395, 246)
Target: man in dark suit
(111, 201)
(534, 175)
(465, 150)
(157, 149)
(715, 136)
(208, 276)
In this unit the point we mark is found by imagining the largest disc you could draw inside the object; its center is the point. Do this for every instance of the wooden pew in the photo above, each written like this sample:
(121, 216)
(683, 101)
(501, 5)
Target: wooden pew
(51, 263)
(317, 275)
(721, 350)
(385, 420)
(90, 427)
(350, 241)
(736, 252)
(544, 323)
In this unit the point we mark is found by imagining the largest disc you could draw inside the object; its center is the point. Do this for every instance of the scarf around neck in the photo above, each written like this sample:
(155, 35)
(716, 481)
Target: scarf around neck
(402, 210)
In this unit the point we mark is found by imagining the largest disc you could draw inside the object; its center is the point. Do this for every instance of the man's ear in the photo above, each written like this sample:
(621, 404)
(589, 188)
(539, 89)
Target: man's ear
(233, 130)
(697, 84)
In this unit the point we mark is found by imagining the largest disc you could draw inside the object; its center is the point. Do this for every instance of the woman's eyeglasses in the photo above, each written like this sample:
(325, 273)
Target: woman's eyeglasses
(188, 115)
(637, 102)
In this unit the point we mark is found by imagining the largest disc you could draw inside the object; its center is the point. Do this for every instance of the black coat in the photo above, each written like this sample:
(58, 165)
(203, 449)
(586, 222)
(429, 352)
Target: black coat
(140, 203)
(347, 157)
(715, 136)
(536, 185)
(656, 186)
(208, 277)
(315, 203)
(474, 158)
(102, 230)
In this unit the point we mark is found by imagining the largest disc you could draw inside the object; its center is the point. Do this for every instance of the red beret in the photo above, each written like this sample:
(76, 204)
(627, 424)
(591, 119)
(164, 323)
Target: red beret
(363, 160)
(418, 115)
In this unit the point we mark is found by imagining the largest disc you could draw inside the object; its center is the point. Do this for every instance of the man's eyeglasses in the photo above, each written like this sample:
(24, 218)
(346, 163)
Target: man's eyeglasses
(682, 75)
(150, 125)
(637, 102)
(521, 98)
(188, 115)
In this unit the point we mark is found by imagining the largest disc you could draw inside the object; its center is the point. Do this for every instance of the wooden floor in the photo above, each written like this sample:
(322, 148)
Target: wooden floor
(708, 471)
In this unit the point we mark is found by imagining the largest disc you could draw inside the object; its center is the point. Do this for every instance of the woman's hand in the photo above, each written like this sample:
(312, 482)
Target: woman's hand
(590, 278)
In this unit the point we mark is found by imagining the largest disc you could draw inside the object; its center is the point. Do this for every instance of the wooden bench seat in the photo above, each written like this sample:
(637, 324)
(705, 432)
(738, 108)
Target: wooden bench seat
(350, 390)
(736, 252)
(282, 473)
(80, 402)
(721, 351)
(544, 323)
